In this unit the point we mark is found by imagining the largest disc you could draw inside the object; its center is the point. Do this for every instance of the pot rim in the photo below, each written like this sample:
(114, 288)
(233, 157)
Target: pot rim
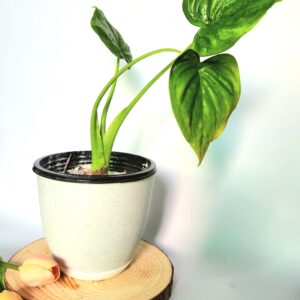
(52, 167)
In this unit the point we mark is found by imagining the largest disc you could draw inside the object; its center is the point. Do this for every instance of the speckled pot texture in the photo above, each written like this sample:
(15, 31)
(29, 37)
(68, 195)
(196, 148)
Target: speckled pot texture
(93, 224)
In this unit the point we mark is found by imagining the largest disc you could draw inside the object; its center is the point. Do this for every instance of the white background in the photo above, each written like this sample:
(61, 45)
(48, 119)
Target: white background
(232, 226)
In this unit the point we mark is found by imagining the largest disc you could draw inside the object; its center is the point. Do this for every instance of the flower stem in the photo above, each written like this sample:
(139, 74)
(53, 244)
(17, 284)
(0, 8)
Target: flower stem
(9, 265)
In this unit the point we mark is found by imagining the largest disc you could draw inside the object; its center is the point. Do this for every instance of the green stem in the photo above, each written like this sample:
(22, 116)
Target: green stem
(94, 127)
(9, 265)
(107, 104)
(148, 85)
(125, 68)
(119, 119)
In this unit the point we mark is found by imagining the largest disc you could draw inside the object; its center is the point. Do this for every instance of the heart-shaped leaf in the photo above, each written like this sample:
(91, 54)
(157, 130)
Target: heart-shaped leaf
(203, 96)
(2, 273)
(223, 22)
(110, 36)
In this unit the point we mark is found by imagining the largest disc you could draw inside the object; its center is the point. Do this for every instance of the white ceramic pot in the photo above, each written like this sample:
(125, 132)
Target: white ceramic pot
(93, 224)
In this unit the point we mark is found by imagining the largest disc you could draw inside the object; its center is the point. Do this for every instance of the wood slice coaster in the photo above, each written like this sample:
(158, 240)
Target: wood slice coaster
(149, 276)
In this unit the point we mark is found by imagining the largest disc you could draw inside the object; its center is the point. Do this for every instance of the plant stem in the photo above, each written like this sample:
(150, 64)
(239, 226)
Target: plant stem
(148, 85)
(128, 66)
(119, 119)
(107, 104)
(94, 126)
(9, 265)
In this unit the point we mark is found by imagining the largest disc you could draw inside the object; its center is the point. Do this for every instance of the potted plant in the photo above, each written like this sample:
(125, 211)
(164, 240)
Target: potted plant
(94, 203)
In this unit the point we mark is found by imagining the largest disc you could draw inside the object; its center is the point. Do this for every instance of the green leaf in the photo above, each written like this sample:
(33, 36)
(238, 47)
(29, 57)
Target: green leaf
(223, 22)
(110, 36)
(2, 273)
(203, 96)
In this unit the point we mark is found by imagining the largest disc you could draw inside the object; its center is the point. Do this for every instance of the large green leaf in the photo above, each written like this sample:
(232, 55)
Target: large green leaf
(110, 36)
(223, 22)
(2, 273)
(203, 96)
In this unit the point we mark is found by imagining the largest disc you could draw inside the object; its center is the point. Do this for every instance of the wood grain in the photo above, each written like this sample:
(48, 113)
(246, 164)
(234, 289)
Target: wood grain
(149, 276)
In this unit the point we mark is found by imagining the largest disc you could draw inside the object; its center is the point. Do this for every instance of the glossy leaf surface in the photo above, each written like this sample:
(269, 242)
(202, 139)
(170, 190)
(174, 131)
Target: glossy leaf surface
(110, 36)
(203, 96)
(222, 22)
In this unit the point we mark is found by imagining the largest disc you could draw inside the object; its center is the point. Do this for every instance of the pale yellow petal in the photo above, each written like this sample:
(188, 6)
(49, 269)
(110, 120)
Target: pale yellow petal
(33, 275)
(8, 295)
(41, 260)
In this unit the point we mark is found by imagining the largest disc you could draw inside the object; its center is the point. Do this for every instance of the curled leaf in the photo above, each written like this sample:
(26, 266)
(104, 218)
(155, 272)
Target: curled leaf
(110, 36)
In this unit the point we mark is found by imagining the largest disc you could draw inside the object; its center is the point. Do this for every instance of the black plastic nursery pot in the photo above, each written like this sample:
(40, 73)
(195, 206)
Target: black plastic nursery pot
(128, 167)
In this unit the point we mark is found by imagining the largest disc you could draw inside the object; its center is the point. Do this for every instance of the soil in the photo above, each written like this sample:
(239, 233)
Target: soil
(87, 170)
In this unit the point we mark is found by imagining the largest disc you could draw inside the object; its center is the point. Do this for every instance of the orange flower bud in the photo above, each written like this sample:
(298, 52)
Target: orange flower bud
(7, 295)
(39, 270)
